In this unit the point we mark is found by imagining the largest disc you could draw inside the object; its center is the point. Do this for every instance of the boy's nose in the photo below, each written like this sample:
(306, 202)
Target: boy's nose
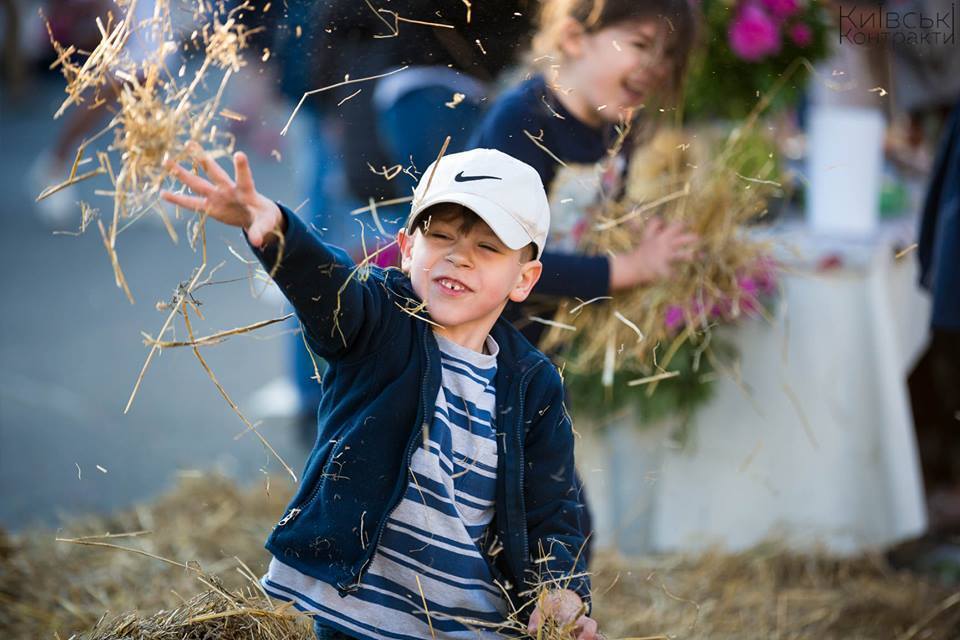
(459, 255)
(458, 259)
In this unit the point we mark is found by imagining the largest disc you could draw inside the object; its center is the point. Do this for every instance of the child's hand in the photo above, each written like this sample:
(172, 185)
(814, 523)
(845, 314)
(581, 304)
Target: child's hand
(659, 248)
(235, 203)
(565, 607)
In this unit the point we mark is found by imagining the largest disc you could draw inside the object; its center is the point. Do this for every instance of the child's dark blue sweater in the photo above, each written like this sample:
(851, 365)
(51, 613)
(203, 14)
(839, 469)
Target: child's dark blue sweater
(378, 393)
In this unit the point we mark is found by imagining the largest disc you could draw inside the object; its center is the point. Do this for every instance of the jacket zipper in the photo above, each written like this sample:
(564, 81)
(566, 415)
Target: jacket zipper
(523, 512)
(294, 512)
(290, 515)
(411, 447)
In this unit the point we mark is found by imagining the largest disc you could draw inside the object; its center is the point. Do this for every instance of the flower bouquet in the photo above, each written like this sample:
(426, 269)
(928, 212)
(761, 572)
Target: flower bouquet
(748, 46)
(654, 347)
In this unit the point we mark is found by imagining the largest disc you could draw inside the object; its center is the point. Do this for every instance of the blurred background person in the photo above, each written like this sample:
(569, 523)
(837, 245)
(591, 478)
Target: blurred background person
(594, 70)
(376, 137)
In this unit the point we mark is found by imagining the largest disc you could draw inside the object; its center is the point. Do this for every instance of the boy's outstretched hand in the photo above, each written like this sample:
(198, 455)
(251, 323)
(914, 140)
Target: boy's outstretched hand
(236, 203)
(565, 607)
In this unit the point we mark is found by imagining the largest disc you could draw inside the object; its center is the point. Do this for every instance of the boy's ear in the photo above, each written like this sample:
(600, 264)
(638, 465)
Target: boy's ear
(572, 38)
(405, 242)
(529, 275)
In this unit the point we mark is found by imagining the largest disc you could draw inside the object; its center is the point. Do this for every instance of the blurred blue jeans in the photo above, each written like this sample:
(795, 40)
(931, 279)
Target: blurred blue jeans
(327, 210)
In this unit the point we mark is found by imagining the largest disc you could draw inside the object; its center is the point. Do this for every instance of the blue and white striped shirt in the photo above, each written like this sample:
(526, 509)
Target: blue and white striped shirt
(436, 530)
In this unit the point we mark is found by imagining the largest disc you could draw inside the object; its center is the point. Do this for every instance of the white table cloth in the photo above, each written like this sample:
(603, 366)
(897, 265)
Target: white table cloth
(819, 451)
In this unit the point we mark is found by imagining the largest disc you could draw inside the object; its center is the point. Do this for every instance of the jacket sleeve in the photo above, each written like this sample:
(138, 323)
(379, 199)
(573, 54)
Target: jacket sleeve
(341, 313)
(571, 275)
(557, 544)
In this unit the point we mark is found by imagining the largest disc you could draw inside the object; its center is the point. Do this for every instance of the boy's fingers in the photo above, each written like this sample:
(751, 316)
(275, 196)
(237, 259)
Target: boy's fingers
(588, 629)
(197, 184)
(211, 167)
(241, 169)
(193, 203)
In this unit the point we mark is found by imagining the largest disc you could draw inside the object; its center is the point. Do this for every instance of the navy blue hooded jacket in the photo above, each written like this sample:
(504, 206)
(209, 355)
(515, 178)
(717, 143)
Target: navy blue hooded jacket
(378, 396)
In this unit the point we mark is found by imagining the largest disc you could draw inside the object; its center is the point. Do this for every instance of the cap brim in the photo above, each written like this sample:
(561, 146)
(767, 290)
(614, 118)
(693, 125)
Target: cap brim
(510, 232)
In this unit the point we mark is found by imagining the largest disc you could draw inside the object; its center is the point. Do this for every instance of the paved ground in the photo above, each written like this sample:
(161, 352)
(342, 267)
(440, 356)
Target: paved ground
(70, 348)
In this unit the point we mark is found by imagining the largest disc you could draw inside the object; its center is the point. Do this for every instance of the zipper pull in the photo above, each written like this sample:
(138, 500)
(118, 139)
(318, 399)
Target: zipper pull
(293, 513)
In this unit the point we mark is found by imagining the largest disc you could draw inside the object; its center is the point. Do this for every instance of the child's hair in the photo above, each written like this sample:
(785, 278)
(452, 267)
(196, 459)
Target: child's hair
(468, 219)
(596, 15)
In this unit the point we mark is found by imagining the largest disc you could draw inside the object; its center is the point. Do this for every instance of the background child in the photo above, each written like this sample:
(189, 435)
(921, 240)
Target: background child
(599, 65)
(443, 468)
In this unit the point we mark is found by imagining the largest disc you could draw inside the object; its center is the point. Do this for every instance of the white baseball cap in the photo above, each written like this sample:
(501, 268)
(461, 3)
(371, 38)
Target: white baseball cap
(506, 193)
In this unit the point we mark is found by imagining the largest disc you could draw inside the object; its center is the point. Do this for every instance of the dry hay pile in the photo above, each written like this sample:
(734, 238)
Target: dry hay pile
(212, 614)
(52, 589)
(712, 185)
(206, 523)
(768, 592)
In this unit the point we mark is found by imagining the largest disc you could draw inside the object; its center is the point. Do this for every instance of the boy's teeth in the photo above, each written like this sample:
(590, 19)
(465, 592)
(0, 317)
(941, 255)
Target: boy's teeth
(450, 285)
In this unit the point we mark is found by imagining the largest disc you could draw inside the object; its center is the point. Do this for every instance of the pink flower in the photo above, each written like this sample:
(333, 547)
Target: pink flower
(765, 275)
(801, 34)
(781, 8)
(753, 35)
(721, 309)
(760, 281)
(673, 317)
(748, 286)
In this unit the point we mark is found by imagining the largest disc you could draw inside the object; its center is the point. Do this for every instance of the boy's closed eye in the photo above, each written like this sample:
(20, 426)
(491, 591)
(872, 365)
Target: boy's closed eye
(443, 235)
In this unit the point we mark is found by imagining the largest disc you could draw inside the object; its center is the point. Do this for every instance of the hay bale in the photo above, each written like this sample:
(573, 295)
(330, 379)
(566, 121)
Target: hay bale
(50, 589)
(769, 592)
(216, 613)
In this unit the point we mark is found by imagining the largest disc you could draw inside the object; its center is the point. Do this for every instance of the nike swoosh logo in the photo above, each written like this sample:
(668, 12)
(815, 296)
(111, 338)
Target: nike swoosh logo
(462, 178)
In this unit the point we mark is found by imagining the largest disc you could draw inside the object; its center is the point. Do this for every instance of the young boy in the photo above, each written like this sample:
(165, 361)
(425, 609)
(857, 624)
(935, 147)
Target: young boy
(440, 490)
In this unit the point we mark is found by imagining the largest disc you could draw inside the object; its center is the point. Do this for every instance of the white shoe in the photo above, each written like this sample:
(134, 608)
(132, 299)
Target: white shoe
(56, 210)
(279, 398)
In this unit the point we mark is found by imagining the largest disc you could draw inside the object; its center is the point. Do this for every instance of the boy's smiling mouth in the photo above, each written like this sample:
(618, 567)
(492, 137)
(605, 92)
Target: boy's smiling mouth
(451, 285)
